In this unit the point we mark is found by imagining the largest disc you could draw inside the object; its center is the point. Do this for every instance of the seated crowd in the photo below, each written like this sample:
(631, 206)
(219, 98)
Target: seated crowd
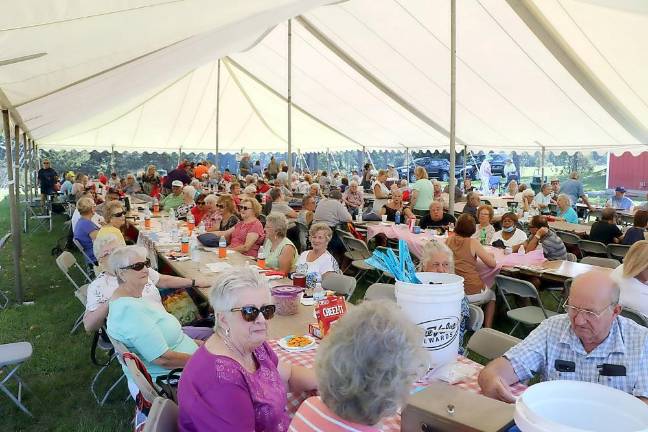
(266, 209)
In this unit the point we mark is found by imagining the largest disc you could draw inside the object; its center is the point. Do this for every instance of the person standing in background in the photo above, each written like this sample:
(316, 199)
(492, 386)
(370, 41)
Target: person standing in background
(485, 175)
(244, 165)
(573, 188)
(46, 177)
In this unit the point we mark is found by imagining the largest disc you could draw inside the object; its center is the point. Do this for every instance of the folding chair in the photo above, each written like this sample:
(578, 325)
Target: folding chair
(564, 293)
(635, 316)
(340, 284)
(302, 234)
(589, 247)
(568, 238)
(475, 317)
(163, 416)
(358, 252)
(601, 262)
(12, 356)
(528, 315)
(618, 251)
(381, 291)
(114, 355)
(33, 210)
(65, 262)
(490, 343)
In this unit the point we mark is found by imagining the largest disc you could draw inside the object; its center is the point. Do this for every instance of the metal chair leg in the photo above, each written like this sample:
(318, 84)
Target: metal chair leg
(77, 323)
(16, 400)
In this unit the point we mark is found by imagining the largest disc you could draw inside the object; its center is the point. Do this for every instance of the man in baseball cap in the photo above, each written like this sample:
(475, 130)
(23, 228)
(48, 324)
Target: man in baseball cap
(619, 200)
(174, 199)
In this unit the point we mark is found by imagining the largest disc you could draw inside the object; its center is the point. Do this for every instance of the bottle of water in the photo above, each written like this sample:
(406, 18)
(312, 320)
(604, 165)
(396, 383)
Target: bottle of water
(397, 217)
(318, 292)
(173, 225)
(482, 236)
(193, 248)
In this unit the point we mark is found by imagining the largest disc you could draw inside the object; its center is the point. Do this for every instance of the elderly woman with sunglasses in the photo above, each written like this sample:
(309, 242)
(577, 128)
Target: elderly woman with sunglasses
(145, 328)
(198, 211)
(235, 381)
(103, 287)
(248, 235)
(188, 195)
(115, 216)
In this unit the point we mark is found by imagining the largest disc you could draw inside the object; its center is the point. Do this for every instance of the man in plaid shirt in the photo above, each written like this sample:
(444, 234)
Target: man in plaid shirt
(589, 343)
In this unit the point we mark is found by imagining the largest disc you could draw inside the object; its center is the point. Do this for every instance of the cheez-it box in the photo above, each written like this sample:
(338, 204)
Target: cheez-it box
(329, 310)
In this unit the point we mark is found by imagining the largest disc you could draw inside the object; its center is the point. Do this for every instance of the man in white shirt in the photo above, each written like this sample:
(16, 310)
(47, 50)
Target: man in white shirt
(331, 211)
(543, 198)
(391, 172)
(485, 175)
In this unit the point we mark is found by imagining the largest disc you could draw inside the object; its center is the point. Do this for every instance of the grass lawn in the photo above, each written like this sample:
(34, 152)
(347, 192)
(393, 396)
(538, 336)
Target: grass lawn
(60, 371)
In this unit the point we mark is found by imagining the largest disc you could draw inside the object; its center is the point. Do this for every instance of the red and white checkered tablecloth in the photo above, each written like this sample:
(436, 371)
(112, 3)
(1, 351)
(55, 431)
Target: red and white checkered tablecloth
(307, 359)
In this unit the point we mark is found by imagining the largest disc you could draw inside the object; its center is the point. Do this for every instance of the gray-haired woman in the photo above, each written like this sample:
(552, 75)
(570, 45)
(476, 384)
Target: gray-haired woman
(281, 253)
(147, 330)
(365, 369)
(235, 381)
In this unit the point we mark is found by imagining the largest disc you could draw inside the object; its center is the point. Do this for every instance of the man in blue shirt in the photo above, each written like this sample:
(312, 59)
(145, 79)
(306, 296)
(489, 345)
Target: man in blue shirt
(585, 344)
(619, 200)
(573, 188)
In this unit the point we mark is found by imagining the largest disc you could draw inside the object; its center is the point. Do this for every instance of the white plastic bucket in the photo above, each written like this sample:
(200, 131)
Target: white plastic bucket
(576, 406)
(435, 306)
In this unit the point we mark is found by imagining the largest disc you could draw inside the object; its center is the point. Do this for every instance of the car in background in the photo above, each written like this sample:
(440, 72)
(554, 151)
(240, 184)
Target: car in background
(436, 168)
(472, 167)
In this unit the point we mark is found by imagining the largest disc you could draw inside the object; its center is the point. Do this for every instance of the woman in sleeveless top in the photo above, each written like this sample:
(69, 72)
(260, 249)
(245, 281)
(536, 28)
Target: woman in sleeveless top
(380, 191)
(466, 250)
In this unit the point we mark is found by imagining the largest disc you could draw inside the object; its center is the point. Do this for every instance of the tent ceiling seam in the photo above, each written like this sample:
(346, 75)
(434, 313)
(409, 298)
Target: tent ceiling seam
(213, 114)
(199, 104)
(184, 99)
(295, 106)
(124, 114)
(478, 75)
(603, 56)
(373, 79)
(567, 57)
(164, 3)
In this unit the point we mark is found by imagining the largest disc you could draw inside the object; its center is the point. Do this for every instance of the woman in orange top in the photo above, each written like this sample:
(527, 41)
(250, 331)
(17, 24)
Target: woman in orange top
(466, 250)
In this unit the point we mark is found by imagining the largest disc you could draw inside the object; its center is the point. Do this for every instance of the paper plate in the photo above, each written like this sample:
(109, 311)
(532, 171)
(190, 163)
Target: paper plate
(283, 343)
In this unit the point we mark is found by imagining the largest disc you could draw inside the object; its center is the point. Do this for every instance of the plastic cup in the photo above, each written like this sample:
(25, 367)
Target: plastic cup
(384, 218)
(222, 252)
(299, 279)
(147, 223)
(156, 208)
(261, 263)
(184, 246)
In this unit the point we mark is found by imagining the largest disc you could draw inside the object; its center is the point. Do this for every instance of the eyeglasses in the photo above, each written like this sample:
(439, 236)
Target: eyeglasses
(138, 265)
(120, 214)
(220, 206)
(573, 312)
(250, 313)
(200, 202)
(244, 208)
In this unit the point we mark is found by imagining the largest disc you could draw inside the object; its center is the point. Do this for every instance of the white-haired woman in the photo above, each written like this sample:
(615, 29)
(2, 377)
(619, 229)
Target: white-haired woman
(86, 230)
(188, 202)
(365, 370)
(131, 186)
(315, 263)
(565, 211)
(146, 329)
(438, 258)
(235, 380)
(632, 278)
(353, 198)
(281, 253)
(315, 192)
(115, 216)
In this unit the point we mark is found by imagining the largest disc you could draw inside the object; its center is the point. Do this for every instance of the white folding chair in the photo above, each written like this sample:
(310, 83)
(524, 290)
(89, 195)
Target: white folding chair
(12, 356)
(65, 263)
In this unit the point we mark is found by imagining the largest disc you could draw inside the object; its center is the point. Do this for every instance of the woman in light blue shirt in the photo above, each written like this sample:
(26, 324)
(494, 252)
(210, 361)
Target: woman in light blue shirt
(565, 211)
(146, 329)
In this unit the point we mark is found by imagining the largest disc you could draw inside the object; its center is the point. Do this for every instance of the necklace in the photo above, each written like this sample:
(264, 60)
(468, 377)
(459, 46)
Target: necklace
(248, 361)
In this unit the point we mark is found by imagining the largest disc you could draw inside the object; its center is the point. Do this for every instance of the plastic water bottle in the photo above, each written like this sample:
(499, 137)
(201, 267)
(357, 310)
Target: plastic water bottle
(318, 292)
(397, 217)
(261, 258)
(173, 225)
(193, 249)
(482, 236)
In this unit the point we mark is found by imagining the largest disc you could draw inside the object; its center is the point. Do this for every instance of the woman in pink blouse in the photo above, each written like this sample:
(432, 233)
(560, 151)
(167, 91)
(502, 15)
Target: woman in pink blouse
(248, 235)
(235, 382)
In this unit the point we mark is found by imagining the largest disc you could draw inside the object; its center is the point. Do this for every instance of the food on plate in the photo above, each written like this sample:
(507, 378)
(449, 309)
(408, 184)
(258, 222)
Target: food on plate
(299, 341)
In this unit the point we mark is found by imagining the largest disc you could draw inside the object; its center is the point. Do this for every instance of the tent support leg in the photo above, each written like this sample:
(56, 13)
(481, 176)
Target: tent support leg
(453, 102)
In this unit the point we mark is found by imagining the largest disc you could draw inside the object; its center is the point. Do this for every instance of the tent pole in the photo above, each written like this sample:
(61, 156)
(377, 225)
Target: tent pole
(26, 177)
(465, 164)
(289, 158)
(13, 207)
(34, 168)
(542, 166)
(112, 158)
(328, 161)
(407, 163)
(218, 78)
(179, 155)
(453, 102)
(17, 161)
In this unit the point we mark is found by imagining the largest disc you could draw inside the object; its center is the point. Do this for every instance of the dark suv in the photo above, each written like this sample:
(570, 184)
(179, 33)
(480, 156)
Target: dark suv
(472, 169)
(436, 168)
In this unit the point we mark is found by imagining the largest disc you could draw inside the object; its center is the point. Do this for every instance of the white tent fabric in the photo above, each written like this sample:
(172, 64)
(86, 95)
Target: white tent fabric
(141, 74)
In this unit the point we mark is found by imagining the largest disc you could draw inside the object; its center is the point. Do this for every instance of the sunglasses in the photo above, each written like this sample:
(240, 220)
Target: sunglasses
(120, 214)
(200, 202)
(244, 208)
(250, 313)
(220, 206)
(139, 266)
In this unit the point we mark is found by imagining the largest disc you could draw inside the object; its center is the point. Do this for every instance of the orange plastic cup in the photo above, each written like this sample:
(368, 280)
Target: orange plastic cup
(222, 252)
(156, 208)
(147, 223)
(261, 263)
(190, 227)
(184, 247)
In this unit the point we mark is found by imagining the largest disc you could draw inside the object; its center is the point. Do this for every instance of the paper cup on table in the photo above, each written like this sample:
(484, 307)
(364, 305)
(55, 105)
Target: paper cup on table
(384, 218)
(435, 306)
(560, 406)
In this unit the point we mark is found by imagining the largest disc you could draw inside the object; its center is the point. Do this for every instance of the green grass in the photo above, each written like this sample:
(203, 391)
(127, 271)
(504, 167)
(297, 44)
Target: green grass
(60, 371)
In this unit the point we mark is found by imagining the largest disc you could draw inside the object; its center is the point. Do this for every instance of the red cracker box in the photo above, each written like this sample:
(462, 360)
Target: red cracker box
(314, 330)
(328, 311)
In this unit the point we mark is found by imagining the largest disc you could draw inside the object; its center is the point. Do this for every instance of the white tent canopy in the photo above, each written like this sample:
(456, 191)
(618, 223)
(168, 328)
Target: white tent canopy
(141, 75)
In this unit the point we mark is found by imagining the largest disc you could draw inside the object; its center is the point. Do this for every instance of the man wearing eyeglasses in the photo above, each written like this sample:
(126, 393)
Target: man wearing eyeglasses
(591, 342)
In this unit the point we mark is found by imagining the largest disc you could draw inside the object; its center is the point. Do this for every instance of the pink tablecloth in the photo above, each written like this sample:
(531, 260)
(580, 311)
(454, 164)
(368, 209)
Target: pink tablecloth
(307, 359)
(415, 242)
